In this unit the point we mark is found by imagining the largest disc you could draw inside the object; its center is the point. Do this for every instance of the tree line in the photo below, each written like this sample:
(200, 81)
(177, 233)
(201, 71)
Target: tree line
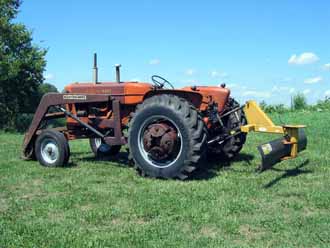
(22, 65)
(298, 103)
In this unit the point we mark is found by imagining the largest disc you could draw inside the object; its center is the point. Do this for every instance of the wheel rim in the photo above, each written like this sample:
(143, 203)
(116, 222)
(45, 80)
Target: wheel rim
(101, 146)
(49, 151)
(160, 141)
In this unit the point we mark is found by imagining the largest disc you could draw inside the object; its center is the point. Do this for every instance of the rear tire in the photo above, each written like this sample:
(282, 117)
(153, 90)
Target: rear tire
(102, 149)
(231, 147)
(52, 149)
(184, 123)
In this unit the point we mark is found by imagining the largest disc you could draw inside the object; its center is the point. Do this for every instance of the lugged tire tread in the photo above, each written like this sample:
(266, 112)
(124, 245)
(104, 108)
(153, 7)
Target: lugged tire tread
(198, 132)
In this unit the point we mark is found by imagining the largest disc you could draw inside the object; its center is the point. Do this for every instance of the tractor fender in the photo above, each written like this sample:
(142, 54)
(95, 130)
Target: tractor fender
(194, 98)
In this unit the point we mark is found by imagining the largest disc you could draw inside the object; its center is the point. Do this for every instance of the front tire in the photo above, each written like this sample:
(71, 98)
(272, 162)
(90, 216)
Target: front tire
(52, 149)
(167, 137)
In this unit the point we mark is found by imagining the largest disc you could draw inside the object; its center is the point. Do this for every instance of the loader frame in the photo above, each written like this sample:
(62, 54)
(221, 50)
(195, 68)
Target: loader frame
(58, 101)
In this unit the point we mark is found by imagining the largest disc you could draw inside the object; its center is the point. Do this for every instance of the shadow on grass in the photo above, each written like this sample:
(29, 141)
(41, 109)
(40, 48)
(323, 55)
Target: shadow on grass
(121, 159)
(209, 169)
(69, 165)
(288, 173)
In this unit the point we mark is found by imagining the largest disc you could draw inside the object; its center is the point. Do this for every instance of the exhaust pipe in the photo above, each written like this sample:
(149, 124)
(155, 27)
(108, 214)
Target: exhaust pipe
(95, 70)
(117, 66)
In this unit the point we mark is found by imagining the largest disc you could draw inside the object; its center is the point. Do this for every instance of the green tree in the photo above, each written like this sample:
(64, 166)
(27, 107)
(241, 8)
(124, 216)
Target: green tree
(46, 88)
(23, 120)
(21, 66)
(299, 102)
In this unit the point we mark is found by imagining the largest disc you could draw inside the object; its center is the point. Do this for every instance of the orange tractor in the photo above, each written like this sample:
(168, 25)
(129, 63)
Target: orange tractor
(169, 131)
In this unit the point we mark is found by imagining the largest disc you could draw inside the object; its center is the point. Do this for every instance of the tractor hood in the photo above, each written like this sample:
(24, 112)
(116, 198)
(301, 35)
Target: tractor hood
(108, 88)
(217, 94)
(134, 92)
(126, 92)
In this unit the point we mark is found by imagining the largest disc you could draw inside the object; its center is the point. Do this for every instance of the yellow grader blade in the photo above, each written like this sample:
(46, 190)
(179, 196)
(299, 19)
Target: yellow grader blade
(287, 147)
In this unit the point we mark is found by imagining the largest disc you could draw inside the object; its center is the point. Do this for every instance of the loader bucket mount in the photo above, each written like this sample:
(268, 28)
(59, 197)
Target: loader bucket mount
(292, 142)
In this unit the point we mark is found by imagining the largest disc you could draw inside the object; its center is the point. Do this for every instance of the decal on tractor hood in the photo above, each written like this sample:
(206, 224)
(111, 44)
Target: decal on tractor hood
(74, 97)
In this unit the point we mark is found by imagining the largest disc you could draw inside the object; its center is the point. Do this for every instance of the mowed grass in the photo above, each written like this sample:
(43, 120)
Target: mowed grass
(106, 204)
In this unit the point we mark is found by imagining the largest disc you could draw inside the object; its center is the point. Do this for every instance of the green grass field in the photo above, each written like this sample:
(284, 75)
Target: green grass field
(106, 204)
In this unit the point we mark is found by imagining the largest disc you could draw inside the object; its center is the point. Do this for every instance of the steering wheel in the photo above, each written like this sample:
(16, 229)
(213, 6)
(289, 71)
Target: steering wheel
(159, 82)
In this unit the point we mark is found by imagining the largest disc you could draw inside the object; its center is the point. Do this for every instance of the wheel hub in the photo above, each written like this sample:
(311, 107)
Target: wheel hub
(49, 151)
(160, 141)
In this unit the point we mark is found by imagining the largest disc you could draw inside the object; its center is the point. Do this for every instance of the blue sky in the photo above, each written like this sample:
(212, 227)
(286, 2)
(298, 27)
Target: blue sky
(264, 50)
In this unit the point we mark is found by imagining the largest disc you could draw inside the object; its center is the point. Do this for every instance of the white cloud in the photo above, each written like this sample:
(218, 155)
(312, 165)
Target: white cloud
(306, 91)
(154, 62)
(236, 87)
(326, 67)
(190, 72)
(327, 93)
(281, 89)
(232, 86)
(216, 74)
(292, 90)
(303, 59)
(286, 80)
(189, 81)
(48, 76)
(313, 80)
(254, 93)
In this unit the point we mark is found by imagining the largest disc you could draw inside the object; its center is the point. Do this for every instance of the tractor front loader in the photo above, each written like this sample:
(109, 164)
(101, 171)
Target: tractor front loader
(169, 131)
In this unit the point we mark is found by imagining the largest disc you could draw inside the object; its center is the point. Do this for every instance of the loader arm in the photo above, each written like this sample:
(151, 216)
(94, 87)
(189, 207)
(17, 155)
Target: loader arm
(287, 147)
(56, 100)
